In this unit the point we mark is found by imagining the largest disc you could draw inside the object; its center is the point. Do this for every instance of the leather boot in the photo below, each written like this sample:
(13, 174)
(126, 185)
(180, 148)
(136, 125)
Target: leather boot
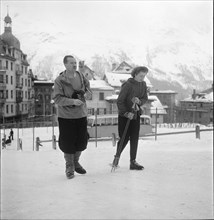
(135, 166)
(69, 165)
(78, 168)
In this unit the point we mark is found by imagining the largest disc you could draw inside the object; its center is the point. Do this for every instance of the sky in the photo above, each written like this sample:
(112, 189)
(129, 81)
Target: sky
(104, 27)
(107, 19)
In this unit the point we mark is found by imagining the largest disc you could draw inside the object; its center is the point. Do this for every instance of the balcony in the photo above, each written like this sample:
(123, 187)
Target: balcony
(19, 85)
(19, 99)
(19, 72)
(3, 68)
(2, 100)
(2, 86)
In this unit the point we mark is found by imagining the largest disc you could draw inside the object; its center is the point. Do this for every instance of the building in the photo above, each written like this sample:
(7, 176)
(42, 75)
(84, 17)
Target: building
(157, 111)
(168, 101)
(42, 104)
(198, 108)
(15, 77)
(100, 90)
(120, 74)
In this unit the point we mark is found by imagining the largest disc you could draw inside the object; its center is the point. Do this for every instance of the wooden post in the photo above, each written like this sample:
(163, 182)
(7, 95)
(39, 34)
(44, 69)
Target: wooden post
(54, 142)
(156, 123)
(197, 131)
(33, 134)
(38, 143)
(114, 139)
(18, 135)
(96, 127)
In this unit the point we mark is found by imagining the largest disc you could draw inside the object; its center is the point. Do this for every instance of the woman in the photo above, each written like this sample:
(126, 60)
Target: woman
(132, 96)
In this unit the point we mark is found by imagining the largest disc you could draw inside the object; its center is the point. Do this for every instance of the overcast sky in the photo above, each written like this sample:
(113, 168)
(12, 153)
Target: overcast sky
(116, 21)
(106, 17)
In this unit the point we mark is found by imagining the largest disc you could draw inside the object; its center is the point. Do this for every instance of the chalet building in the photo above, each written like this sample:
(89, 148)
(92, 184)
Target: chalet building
(15, 76)
(168, 101)
(198, 108)
(119, 74)
(100, 90)
(157, 110)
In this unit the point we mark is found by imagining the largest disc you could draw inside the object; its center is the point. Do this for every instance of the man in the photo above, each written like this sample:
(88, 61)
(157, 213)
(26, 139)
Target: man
(70, 90)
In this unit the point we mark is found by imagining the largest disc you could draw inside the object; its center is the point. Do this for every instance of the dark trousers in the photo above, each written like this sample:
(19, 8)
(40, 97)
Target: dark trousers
(132, 135)
(73, 135)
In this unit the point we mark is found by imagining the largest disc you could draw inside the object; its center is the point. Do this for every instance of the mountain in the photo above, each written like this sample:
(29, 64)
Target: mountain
(178, 63)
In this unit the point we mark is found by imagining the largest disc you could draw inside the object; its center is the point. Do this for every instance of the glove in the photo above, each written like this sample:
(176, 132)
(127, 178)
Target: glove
(129, 115)
(136, 100)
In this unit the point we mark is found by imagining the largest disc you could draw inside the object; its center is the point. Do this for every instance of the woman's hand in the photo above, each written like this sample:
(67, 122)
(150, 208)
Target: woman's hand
(136, 100)
(129, 115)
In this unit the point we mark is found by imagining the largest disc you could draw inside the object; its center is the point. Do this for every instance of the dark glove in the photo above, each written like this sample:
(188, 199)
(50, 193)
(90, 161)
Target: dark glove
(78, 94)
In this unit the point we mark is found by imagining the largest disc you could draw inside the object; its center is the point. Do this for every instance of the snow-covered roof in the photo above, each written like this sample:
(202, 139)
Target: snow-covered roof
(116, 79)
(200, 98)
(100, 84)
(156, 104)
(163, 91)
(43, 81)
(111, 97)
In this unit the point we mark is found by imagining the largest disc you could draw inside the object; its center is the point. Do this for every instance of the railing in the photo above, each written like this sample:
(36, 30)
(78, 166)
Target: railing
(19, 85)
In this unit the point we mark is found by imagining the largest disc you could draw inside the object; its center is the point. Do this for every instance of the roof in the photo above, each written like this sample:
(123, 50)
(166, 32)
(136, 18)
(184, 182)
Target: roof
(156, 104)
(116, 79)
(163, 91)
(43, 82)
(201, 97)
(100, 85)
(123, 67)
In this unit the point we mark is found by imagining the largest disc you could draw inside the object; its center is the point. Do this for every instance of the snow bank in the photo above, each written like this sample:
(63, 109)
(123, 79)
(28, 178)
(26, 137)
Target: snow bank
(175, 184)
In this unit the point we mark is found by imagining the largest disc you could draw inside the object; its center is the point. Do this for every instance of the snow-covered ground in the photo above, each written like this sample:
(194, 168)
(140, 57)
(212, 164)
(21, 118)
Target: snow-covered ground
(177, 182)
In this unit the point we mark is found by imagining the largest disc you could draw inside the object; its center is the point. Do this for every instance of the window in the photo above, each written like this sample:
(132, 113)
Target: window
(7, 109)
(26, 94)
(6, 94)
(29, 83)
(6, 79)
(101, 96)
(11, 80)
(1, 79)
(25, 82)
(11, 108)
(11, 66)
(6, 64)
(1, 94)
(11, 94)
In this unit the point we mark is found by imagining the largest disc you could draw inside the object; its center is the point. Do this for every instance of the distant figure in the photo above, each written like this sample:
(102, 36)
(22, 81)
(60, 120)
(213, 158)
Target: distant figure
(3, 143)
(11, 134)
(8, 141)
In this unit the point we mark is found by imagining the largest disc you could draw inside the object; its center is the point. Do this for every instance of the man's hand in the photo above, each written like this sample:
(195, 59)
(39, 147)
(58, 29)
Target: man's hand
(77, 102)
